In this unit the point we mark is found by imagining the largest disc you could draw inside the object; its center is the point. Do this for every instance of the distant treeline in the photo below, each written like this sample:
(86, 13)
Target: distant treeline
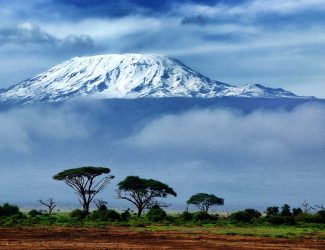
(146, 195)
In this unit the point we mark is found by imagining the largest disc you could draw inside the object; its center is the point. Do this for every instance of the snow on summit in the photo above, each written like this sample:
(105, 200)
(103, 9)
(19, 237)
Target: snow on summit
(126, 76)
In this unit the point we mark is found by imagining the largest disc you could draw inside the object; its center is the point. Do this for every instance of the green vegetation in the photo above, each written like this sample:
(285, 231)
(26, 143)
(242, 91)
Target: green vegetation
(149, 214)
(247, 216)
(247, 223)
(306, 231)
(156, 214)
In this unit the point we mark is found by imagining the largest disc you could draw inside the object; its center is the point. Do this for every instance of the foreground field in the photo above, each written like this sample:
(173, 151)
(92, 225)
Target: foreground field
(151, 238)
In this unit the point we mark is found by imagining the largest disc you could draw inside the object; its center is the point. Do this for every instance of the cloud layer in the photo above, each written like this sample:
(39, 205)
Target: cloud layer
(255, 159)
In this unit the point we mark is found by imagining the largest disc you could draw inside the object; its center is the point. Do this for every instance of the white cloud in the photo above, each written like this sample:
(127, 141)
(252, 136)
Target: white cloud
(251, 8)
(248, 138)
(104, 28)
(283, 7)
(21, 128)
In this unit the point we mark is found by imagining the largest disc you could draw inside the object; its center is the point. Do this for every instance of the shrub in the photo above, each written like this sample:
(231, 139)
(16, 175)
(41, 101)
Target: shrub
(319, 217)
(321, 214)
(305, 217)
(247, 216)
(186, 216)
(126, 215)
(78, 214)
(253, 213)
(272, 211)
(280, 220)
(241, 216)
(34, 213)
(286, 210)
(276, 220)
(13, 220)
(105, 215)
(102, 207)
(8, 210)
(296, 211)
(156, 214)
(202, 217)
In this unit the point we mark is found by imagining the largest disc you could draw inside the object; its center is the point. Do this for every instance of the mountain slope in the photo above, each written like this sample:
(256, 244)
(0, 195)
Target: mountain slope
(126, 76)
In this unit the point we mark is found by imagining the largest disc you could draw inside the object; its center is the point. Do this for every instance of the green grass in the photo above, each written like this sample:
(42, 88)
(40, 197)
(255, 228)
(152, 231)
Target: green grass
(260, 231)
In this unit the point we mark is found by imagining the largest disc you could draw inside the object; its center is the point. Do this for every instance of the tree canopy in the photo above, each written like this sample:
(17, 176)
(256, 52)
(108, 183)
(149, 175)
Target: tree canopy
(87, 170)
(83, 181)
(204, 201)
(143, 193)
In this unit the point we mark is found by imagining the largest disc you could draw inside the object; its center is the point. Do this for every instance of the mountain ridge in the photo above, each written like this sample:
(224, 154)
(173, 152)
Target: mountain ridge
(128, 76)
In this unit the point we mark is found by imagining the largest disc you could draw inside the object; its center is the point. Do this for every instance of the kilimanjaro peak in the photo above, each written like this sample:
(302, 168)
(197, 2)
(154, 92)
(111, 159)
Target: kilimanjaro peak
(127, 76)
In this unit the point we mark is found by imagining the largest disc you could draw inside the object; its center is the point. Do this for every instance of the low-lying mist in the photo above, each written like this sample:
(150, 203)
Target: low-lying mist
(255, 158)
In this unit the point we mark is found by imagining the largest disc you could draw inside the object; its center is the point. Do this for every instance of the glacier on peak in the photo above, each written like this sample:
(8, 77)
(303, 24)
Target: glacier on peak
(127, 76)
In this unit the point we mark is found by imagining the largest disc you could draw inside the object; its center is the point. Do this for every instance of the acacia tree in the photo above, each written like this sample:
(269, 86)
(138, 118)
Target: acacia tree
(143, 192)
(84, 182)
(204, 201)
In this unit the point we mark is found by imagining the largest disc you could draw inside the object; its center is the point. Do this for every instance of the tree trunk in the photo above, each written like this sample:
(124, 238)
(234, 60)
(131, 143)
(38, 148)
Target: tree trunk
(86, 207)
(139, 212)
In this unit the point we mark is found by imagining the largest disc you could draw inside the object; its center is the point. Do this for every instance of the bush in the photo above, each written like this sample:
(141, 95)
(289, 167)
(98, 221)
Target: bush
(296, 211)
(105, 215)
(305, 217)
(286, 210)
(253, 213)
(156, 214)
(102, 207)
(78, 214)
(241, 216)
(276, 220)
(186, 216)
(321, 215)
(318, 217)
(126, 215)
(203, 217)
(34, 213)
(13, 220)
(272, 211)
(246, 216)
(280, 220)
(8, 210)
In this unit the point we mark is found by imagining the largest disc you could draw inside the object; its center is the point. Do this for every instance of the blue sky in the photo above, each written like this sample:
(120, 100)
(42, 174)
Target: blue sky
(272, 42)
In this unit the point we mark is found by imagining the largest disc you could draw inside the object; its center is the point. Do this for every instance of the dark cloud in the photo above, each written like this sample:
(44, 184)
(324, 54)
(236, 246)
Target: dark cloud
(195, 19)
(82, 9)
(108, 8)
(28, 34)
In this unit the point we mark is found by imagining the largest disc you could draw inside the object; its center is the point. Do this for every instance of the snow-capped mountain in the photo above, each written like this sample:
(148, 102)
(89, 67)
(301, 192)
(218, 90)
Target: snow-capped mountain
(126, 76)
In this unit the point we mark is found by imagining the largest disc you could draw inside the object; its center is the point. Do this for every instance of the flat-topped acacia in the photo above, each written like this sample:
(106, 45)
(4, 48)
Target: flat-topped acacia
(143, 192)
(204, 201)
(83, 181)
(87, 170)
